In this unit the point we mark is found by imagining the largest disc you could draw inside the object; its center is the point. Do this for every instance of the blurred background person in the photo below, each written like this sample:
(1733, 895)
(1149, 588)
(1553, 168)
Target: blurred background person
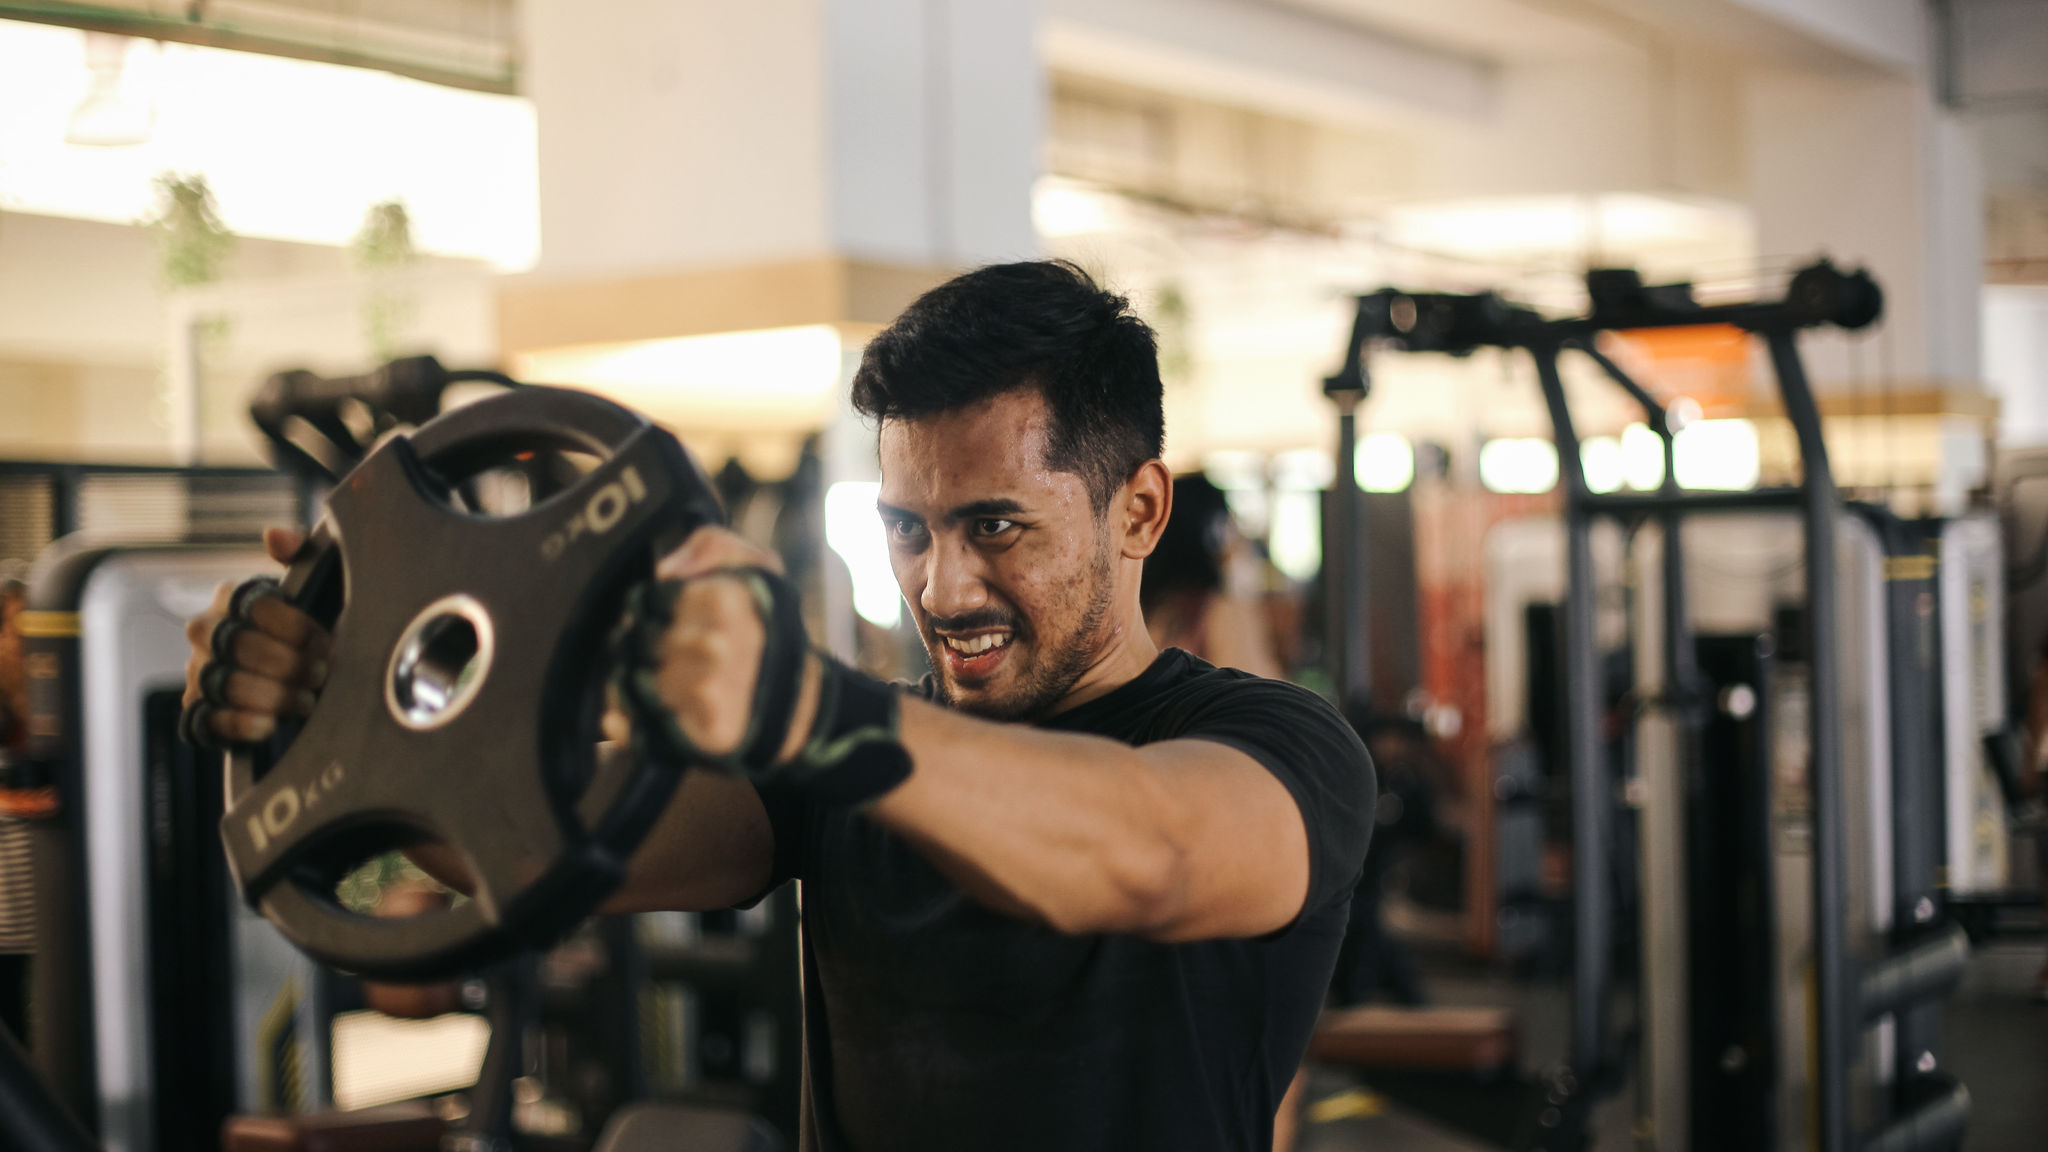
(1202, 586)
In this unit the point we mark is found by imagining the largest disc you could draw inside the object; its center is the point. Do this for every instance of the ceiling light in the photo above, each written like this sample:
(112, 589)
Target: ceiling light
(1721, 454)
(1518, 464)
(1384, 462)
(119, 108)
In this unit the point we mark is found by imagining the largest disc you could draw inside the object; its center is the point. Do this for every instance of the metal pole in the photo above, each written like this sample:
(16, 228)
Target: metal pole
(64, 486)
(1830, 893)
(1680, 675)
(1345, 560)
(1591, 806)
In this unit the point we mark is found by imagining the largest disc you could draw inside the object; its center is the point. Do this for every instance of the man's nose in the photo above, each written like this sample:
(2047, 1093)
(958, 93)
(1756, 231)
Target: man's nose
(953, 584)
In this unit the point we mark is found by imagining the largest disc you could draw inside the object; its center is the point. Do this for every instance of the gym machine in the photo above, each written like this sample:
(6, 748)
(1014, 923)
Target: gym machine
(1919, 959)
(134, 503)
(1525, 586)
(161, 1005)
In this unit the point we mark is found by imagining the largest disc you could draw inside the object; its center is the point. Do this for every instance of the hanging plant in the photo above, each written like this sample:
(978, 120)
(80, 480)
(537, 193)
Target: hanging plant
(192, 241)
(384, 253)
(193, 246)
(1174, 325)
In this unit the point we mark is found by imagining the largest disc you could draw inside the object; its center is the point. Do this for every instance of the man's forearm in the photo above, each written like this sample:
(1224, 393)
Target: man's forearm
(1183, 840)
(1072, 830)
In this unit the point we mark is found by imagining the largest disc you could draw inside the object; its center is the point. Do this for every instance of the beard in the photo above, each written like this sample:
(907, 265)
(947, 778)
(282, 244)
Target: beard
(1057, 659)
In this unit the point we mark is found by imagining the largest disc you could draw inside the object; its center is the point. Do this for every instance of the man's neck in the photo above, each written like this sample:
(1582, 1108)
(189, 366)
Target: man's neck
(1126, 655)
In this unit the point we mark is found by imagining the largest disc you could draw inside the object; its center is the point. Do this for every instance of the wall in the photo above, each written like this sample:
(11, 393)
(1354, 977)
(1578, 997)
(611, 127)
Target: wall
(647, 115)
(1865, 169)
(1888, 33)
(2016, 361)
(84, 333)
(106, 413)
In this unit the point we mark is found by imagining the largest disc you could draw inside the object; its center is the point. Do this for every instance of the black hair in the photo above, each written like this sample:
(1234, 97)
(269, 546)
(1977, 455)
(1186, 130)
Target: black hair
(1189, 555)
(1042, 324)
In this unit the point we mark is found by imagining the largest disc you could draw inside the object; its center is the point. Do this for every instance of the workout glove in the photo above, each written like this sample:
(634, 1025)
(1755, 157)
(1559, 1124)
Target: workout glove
(195, 723)
(852, 754)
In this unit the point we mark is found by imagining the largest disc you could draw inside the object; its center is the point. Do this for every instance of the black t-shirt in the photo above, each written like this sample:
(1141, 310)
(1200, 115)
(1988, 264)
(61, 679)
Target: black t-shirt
(932, 1022)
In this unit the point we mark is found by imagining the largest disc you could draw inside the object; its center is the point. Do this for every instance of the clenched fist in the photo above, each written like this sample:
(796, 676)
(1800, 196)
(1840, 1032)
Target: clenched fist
(274, 665)
(709, 656)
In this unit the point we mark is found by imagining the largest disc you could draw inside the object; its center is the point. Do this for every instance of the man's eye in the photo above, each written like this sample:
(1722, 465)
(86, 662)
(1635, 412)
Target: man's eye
(905, 529)
(991, 527)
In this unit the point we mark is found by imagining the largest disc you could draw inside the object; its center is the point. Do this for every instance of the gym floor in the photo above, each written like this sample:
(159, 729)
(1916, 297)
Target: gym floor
(1995, 1040)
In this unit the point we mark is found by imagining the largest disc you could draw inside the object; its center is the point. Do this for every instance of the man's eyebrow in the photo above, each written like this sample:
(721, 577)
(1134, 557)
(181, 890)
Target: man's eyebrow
(972, 510)
(977, 509)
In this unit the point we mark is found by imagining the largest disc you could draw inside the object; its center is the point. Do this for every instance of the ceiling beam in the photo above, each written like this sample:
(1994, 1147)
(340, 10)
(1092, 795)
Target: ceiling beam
(1262, 55)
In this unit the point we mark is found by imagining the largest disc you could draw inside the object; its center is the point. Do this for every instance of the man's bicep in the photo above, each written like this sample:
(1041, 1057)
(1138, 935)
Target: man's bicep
(713, 847)
(1244, 840)
(1306, 750)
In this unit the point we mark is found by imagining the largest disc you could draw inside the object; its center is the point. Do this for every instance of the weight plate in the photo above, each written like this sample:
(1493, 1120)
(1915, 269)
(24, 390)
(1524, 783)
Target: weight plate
(463, 692)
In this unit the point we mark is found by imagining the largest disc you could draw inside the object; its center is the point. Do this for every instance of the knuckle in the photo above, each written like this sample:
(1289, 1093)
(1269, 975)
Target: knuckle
(272, 617)
(714, 647)
(283, 620)
(251, 692)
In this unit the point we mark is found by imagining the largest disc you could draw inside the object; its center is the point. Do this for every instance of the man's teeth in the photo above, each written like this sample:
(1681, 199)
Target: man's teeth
(977, 644)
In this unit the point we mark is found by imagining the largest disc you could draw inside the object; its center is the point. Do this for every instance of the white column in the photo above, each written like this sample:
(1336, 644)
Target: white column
(1866, 168)
(689, 134)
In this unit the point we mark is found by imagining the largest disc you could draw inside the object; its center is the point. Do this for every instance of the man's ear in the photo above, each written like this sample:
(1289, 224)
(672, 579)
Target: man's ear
(1147, 502)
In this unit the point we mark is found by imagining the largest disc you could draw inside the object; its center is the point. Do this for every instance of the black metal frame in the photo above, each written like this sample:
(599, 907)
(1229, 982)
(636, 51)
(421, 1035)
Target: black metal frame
(1733, 1039)
(1846, 1000)
(66, 478)
(754, 974)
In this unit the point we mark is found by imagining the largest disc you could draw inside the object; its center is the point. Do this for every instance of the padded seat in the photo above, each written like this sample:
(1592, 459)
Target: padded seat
(1470, 1040)
(410, 1126)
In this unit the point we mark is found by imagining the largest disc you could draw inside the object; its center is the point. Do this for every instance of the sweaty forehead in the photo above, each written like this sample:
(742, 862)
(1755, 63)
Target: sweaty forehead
(995, 448)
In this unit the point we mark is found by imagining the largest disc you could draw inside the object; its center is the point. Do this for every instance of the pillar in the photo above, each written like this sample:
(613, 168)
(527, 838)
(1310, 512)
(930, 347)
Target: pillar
(709, 166)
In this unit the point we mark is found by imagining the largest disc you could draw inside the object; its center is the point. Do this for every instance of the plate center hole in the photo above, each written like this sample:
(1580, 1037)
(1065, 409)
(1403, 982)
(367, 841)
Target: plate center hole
(440, 663)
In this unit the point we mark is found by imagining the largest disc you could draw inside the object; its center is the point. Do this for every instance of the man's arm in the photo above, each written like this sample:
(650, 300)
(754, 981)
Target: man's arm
(1180, 840)
(711, 848)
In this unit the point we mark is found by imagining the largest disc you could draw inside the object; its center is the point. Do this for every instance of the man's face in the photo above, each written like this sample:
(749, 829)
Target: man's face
(1008, 572)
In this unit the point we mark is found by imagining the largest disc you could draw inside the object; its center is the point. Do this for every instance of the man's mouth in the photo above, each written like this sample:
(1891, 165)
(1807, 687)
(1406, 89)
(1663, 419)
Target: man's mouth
(976, 645)
(974, 657)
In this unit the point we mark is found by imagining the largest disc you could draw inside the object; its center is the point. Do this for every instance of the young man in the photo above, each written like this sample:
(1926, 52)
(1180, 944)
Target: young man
(1068, 892)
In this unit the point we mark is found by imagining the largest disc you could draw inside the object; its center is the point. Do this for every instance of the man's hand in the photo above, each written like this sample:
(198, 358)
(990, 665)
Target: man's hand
(710, 655)
(279, 660)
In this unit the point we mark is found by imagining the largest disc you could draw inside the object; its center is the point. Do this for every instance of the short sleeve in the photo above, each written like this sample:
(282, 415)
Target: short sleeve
(790, 822)
(1299, 738)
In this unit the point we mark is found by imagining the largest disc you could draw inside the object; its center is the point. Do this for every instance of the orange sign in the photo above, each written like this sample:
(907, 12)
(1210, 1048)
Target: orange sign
(1708, 362)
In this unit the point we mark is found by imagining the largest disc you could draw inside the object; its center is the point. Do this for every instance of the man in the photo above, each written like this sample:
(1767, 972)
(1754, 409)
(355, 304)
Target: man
(1067, 893)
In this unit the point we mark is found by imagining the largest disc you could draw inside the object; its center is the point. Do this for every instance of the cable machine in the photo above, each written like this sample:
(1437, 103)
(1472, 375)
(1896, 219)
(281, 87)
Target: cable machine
(1925, 955)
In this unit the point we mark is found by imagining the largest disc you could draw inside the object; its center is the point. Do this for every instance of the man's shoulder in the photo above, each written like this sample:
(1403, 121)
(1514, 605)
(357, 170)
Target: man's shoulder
(1199, 679)
(1183, 695)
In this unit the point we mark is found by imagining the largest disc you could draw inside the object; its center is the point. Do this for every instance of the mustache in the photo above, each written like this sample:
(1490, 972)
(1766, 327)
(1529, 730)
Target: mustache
(971, 621)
